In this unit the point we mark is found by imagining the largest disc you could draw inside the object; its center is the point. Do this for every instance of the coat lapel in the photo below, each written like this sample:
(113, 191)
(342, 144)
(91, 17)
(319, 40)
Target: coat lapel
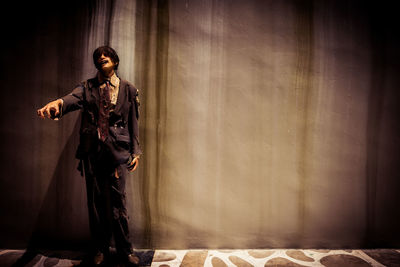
(93, 87)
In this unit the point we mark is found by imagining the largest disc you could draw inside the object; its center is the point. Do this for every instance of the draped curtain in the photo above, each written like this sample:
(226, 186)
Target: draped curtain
(263, 123)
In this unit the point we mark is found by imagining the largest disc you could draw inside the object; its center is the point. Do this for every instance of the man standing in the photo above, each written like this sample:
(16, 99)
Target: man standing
(109, 146)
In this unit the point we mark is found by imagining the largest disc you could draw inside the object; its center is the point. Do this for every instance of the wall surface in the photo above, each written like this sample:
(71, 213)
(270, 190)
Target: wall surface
(263, 123)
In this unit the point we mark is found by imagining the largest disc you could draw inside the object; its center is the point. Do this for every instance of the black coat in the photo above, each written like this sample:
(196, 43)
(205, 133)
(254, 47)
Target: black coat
(123, 139)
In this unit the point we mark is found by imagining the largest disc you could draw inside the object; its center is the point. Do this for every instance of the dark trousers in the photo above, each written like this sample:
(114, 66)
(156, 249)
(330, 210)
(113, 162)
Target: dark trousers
(106, 200)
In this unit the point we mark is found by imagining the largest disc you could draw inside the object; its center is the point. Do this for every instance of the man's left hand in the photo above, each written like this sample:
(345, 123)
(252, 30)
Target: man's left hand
(133, 165)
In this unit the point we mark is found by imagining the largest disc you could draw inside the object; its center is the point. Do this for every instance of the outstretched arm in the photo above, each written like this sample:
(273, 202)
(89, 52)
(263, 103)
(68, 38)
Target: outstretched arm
(57, 108)
(51, 110)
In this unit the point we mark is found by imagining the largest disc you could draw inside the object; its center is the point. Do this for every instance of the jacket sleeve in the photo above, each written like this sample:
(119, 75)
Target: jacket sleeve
(74, 100)
(133, 121)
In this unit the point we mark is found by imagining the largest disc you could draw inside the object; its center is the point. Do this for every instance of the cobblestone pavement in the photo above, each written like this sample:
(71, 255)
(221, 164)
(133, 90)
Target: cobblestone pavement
(221, 258)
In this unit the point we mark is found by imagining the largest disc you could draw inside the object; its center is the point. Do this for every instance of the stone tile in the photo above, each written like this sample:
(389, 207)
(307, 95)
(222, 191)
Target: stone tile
(217, 262)
(260, 254)
(49, 262)
(279, 261)
(343, 260)
(160, 256)
(194, 258)
(9, 257)
(388, 257)
(145, 256)
(239, 262)
(298, 255)
(226, 251)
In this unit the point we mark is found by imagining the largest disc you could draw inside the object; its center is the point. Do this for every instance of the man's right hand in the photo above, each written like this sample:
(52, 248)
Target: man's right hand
(51, 110)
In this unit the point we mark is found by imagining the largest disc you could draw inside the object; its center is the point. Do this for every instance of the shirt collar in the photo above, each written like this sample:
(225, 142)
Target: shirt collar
(114, 80)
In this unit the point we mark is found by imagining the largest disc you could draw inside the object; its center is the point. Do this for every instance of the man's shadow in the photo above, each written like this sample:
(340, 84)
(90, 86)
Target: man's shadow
(61, 230)
(62, 208)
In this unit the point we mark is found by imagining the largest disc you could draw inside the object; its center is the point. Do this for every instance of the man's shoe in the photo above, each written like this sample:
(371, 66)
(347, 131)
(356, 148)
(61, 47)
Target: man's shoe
(133, 259)
(98, 259)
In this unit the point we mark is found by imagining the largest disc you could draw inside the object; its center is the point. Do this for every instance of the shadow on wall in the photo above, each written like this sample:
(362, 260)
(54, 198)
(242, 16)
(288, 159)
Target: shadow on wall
(63, 208)
(382, 130)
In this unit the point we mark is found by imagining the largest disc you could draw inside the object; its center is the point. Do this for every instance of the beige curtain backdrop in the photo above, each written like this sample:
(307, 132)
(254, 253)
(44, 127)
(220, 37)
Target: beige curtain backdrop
(263, 124)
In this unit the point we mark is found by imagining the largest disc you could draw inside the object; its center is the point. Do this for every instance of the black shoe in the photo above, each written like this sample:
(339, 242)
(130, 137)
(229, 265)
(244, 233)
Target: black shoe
(133, 260)
(98, 259)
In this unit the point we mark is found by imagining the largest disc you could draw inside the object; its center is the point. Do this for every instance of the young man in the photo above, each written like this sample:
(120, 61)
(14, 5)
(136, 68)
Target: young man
(109, 146)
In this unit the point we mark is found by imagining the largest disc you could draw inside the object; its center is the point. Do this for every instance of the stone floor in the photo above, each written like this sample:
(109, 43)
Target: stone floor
(220, 258)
